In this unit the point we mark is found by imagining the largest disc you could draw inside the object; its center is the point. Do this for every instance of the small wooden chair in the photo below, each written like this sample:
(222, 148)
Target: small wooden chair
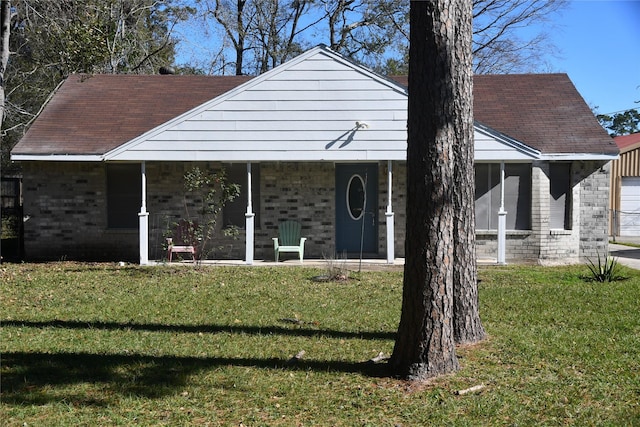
(185, 237)
(289, 239)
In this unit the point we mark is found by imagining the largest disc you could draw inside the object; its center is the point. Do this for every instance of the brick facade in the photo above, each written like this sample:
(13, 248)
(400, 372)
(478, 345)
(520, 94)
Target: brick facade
(66, 206)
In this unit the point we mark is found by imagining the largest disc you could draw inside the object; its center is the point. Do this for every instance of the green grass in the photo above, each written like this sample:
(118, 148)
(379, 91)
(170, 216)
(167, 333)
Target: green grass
(104, 345)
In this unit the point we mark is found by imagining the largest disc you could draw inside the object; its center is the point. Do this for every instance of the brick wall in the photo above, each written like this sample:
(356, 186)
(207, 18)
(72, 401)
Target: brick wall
(66, 205)
(587, 235)
(66, 210)
(594, 213)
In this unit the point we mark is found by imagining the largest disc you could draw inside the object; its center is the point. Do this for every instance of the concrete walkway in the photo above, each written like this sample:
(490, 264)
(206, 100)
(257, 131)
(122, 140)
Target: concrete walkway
(626, 255)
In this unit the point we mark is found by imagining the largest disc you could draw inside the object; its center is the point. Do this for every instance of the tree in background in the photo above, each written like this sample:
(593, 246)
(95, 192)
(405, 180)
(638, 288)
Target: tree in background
(622, 123)
(261, 34)
(53, 39)
(364, 30)
(5, 33)
(440, 118)
(499, 45)
(256, 35)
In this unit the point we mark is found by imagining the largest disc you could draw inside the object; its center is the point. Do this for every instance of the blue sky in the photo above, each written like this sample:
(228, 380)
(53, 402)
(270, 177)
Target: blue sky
(600, 51)
(598, 42)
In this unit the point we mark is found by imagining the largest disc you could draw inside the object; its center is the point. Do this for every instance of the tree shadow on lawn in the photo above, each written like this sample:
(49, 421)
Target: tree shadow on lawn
(32, 378)
(301, 329)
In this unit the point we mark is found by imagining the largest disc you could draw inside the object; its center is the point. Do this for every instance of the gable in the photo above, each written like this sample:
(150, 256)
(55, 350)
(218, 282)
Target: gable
(318, 106)
(307, 109)
(490, 145)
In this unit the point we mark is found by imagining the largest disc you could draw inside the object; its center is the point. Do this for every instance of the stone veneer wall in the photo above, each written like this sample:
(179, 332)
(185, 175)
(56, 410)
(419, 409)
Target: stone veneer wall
(306, 192)
(588, 234)
(594, 209)
(66, 205)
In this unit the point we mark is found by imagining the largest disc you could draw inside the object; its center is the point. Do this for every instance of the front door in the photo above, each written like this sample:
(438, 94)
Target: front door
(357, 208)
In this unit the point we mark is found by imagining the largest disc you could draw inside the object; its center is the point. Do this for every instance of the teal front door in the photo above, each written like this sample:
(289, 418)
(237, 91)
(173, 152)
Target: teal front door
(357, 208)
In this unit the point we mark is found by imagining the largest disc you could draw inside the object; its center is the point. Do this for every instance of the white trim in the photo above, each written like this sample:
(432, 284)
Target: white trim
(57, 157)
(521, 151)
(262, 156)
(144, 218)
(502, 221)
(249, 221)
(578, 156)
(390, 217)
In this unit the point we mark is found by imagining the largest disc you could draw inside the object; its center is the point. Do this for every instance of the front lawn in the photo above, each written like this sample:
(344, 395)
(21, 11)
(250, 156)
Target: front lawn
(99, 344)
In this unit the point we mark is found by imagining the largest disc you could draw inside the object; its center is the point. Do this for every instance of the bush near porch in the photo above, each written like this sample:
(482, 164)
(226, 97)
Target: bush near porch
(100, 344)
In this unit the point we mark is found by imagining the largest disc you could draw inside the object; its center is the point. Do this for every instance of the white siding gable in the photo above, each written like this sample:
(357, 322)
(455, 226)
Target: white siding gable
(306, 109)
(490, 145)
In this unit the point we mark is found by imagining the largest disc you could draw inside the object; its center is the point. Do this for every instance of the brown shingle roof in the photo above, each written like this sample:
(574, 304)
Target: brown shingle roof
(627, 142)
(543, 111)
(95, 114)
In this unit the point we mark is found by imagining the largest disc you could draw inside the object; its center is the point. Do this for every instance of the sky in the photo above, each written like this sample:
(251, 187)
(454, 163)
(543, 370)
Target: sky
(599, 48)
(599, 43)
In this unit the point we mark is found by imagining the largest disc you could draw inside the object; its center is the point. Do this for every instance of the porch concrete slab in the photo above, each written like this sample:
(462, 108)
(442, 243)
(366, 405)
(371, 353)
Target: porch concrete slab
(349, 264)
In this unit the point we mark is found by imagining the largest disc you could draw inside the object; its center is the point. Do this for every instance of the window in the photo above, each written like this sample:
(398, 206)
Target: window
(560, 196)
(517, 195)
(233, 213)
(124, 195)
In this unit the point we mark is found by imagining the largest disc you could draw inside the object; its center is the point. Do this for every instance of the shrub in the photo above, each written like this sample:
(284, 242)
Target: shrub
(606, 270)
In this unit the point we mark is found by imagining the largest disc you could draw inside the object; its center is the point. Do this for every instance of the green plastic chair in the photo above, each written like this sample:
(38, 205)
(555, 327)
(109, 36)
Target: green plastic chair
(289, 239)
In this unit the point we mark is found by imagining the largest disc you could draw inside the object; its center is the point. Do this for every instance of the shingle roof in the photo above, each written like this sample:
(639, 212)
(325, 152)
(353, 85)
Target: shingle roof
(91, 115)
(543, 111)
(627, 142)
(95, 114)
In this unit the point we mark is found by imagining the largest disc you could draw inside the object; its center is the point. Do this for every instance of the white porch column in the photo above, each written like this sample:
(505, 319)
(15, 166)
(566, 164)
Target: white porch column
(144, 219)
(249, 221)
(502, 221)
(390, 219)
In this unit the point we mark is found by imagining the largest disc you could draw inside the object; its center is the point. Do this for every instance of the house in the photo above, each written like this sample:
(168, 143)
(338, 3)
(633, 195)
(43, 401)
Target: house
(318, 139)
(624, 201)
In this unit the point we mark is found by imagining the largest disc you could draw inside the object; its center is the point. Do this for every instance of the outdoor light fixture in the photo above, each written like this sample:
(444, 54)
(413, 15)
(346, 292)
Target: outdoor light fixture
(362, 125)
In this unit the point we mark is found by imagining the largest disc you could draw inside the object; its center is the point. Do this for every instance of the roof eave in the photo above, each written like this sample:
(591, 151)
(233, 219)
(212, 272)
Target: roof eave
(578, 156)
(57, 157)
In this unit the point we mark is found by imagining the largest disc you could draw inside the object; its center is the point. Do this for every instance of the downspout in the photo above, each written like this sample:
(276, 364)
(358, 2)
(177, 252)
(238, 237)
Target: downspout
(144, 218)
(249, 217)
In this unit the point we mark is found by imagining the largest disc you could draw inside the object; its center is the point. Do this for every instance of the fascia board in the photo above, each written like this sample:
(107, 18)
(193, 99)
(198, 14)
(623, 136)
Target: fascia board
(522, 151)
(578, 156)
(57, 157)
(263, 156)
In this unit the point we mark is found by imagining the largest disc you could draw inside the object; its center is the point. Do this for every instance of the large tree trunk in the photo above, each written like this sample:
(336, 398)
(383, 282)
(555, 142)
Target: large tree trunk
(439, 120)
(467, 327)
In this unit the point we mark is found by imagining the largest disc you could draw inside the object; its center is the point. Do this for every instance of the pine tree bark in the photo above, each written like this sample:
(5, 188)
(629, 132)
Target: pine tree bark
(467, 326)
(438, 120)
